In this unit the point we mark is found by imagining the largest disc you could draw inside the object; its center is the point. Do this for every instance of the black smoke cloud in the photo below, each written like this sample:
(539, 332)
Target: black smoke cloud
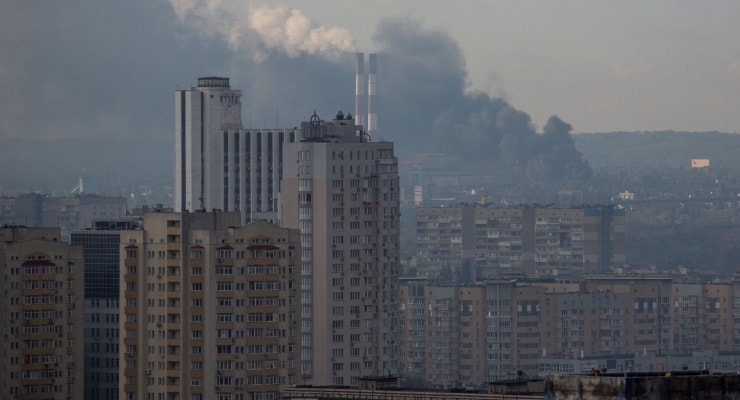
(426, 108)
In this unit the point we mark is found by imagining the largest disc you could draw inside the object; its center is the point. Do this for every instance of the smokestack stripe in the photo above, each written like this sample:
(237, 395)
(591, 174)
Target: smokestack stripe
(359, 88)
(372, 116)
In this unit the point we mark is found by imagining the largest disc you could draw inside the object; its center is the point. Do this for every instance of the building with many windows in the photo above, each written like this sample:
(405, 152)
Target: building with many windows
(41, 313)
(468, 242)
(101, 249)
(210, 310)
(218, 164)
(341, 191)
(461, 335)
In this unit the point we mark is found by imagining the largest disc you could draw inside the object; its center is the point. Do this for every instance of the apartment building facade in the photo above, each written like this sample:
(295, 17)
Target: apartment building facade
(342, 193)
(526, 321)
(209, 309)
(42, 315)
(470, 242)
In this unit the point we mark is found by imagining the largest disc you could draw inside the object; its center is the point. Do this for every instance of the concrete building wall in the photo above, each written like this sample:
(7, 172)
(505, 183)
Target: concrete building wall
(218, 164)
(42, 315)
(499, 297)
(601, 317)
(209, 307)
(412, 323)
(342, 193)
(526, 239)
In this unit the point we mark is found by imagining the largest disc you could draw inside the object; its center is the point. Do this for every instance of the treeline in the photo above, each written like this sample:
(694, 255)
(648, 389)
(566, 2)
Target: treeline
(658, 150)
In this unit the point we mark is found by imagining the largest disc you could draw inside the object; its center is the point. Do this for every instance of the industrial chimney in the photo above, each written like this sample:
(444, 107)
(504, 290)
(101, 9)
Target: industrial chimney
(372, 116)
(360, 89)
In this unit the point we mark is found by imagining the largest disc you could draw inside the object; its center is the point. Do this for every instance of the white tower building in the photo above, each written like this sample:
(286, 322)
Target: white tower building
(219, 165)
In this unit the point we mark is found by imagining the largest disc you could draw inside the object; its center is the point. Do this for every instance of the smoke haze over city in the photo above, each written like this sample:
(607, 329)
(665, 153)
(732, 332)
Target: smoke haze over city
(104, 74)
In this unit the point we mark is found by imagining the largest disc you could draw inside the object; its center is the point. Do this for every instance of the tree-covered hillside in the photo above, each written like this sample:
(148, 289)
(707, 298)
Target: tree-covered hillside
(658, 150)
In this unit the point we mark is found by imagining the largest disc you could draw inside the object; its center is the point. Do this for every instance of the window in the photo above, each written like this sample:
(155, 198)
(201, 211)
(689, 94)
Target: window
(223, 253)
(255, 270)
(254, 332)
(224, 270)
(223, 364)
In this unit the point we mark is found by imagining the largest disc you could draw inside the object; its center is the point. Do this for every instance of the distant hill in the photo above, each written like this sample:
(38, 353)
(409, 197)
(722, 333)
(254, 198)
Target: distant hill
(657, 150)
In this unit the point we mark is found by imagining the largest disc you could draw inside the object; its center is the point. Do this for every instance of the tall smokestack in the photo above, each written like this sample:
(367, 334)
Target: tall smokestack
(372, 117)
(359, 89)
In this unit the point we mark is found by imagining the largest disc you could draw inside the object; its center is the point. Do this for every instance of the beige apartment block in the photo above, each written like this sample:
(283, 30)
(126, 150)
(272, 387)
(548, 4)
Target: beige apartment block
(342, 192)
(472, 242)
(42, 315)
(526, 321)
(209, 309)
(719, 310)
(412, 324)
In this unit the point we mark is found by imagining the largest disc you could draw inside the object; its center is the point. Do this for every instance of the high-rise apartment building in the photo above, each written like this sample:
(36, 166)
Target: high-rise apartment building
(41, 343)
(101, 249)
(209, 309)
(341, 190)
(219, 165)
(469, 242)
(466, 334)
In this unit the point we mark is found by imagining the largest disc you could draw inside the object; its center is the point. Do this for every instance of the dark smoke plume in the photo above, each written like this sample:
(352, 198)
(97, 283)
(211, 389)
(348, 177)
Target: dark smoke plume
(425, 108)
(82, 72)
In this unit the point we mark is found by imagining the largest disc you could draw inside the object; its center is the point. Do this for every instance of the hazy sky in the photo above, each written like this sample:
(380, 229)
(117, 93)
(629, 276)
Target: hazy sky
(109, 69)
(600, 65)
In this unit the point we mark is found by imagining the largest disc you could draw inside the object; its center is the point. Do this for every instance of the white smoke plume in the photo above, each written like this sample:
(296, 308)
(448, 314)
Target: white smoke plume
(262, 30)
